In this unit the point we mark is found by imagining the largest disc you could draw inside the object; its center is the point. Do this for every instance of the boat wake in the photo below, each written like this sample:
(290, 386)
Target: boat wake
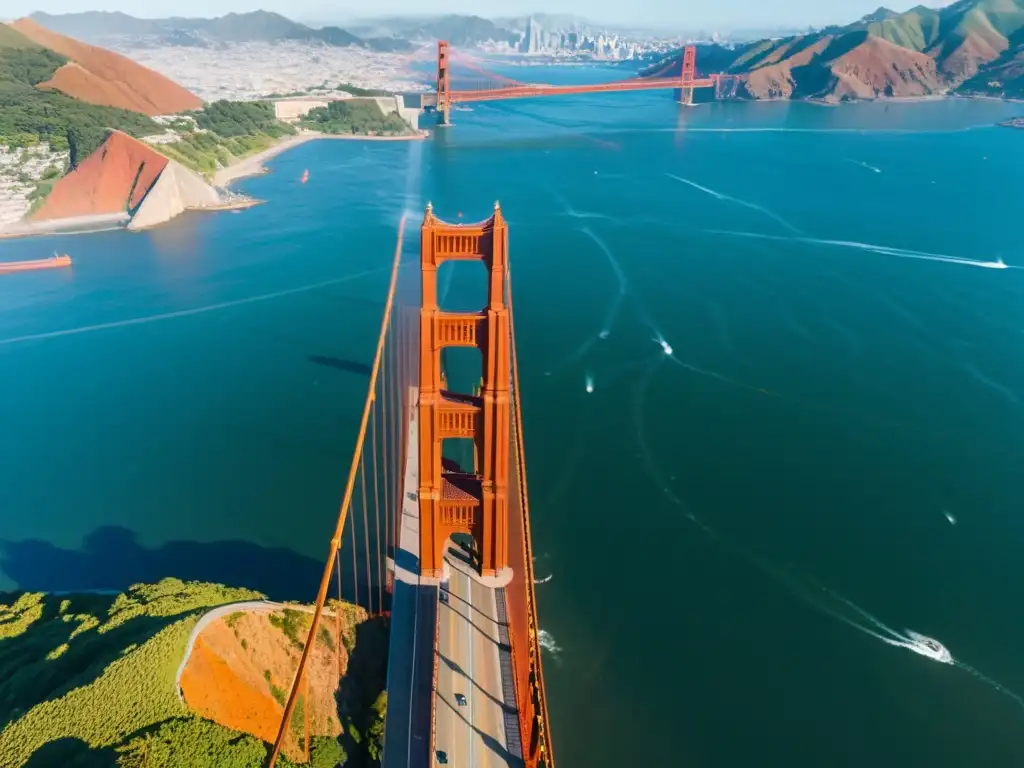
(862, 164)
(884, 250)
(801, 586)
(547, 642)
(746, 204)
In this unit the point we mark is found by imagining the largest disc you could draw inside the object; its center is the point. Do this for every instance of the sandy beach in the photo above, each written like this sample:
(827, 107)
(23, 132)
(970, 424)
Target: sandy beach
(253, 165)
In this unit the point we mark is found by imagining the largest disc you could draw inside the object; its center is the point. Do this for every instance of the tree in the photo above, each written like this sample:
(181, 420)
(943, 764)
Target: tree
(375, 730)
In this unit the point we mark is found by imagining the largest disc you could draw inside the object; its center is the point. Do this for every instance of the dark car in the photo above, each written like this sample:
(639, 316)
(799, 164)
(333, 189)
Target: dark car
(460, 699)
(442, 757)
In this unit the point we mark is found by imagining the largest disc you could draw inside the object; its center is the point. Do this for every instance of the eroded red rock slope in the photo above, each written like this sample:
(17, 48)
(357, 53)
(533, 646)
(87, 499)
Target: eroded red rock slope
(114, 178)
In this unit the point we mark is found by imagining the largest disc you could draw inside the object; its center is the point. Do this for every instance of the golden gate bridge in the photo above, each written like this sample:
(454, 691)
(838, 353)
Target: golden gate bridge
(465, 680)
(441, 549)
(455, 87)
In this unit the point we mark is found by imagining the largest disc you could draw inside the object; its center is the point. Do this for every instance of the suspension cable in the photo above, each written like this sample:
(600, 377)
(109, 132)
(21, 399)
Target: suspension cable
(531, 594)
(335, 544)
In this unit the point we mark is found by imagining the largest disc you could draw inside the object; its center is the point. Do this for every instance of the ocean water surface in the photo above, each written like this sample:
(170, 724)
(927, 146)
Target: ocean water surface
(740, 533)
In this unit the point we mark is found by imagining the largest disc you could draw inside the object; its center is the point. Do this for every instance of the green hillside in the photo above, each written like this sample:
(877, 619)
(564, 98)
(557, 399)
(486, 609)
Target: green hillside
(917, 29)
(975, 47)
(29, 115)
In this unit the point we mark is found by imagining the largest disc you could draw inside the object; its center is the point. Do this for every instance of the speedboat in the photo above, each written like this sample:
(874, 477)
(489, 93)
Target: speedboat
(930, 647)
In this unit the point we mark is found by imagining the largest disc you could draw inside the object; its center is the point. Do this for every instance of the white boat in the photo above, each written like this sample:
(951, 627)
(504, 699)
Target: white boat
(930, 647)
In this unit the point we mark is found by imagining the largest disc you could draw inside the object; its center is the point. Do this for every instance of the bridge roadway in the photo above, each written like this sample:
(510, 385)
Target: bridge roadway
(469, 664)
(460, 635)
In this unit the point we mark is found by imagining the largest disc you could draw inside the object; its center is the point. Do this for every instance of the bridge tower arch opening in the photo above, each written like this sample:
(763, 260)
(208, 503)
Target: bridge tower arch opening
(457, 499)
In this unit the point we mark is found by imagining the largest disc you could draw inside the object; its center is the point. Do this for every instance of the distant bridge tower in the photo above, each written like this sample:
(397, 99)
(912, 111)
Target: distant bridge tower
(689, 74)
(443, 82)
(453, 499)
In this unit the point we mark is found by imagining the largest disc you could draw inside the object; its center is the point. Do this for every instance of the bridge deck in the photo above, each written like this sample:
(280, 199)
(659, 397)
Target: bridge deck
(473, 734)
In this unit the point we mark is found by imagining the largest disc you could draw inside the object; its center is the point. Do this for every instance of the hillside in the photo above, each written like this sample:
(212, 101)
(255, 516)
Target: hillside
(971, 46)
(29, 115)
(92, 680)
(105, 78)
(100, 27)
(113, 179)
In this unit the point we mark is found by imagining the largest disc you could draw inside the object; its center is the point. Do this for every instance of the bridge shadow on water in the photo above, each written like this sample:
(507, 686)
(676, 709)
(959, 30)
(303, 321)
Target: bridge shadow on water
(339, 364)
(112, 559)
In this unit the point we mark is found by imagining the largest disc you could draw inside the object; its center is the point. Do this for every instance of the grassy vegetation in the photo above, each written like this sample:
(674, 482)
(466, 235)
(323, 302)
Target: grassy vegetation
(88, 680)
(241, 118)
(227, 130)
(95, 669)
(294, 624)
(375, 729)
(190, 742)
(29, 115)
(363, 117)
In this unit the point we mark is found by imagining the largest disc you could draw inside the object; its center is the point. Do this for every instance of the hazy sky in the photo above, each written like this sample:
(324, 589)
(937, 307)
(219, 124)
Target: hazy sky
(710, 14)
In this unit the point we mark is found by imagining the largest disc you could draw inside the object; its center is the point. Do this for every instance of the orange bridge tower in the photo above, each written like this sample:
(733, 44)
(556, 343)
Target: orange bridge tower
(689, 74)
(443, 83)
(454, 499)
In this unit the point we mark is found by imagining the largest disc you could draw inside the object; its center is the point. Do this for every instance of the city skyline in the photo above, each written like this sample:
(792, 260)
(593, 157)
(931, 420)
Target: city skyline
(724, 15)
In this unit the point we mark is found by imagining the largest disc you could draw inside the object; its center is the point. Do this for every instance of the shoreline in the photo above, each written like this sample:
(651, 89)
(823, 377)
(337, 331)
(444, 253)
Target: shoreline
(253, 164)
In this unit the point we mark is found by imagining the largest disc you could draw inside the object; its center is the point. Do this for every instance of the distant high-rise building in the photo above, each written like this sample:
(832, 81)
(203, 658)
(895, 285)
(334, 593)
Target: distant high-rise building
(532, 41)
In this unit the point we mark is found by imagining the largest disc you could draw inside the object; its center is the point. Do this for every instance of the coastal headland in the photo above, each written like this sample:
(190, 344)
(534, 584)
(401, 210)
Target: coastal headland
(175, 664)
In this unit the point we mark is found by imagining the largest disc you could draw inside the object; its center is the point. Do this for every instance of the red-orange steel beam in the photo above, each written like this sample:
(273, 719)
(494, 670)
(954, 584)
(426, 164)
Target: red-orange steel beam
(532, 91)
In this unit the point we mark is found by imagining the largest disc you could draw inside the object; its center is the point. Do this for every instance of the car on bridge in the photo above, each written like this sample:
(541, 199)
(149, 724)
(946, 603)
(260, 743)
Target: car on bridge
(442, 757)
(460, 699)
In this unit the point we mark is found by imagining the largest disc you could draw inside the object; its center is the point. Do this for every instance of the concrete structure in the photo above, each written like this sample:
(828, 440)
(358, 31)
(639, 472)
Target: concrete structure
(293, 110)
(399, 104)
(175, 191)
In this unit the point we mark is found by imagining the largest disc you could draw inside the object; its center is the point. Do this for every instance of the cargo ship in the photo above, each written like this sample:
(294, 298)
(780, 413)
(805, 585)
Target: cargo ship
(52, 262)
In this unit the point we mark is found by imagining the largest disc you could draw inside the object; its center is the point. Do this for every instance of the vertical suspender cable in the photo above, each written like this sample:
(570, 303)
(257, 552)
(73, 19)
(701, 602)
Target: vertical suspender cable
(325, 580)
(305, 714)
(376, 509)
(337, 618)
(366, 537)
(355, 567)
(382, 545)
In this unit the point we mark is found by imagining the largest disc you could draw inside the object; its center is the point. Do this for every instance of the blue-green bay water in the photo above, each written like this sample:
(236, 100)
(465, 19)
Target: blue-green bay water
(727, 529)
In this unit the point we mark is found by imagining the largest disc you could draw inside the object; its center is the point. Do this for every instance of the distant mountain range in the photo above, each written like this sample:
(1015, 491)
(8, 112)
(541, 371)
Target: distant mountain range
(104, 28)
(456, 29)
(970, 47)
